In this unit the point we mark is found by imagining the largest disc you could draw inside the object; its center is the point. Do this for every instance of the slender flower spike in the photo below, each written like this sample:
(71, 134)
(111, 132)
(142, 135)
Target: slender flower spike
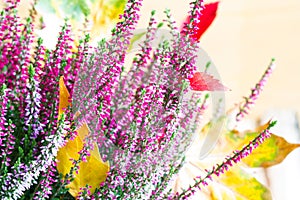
(255, 92)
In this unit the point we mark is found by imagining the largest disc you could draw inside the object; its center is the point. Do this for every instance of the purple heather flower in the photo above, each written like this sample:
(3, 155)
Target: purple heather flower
(47, 182)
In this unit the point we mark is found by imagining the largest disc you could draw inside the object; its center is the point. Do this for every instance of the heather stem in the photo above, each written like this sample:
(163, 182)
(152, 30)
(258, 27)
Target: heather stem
(255, 92)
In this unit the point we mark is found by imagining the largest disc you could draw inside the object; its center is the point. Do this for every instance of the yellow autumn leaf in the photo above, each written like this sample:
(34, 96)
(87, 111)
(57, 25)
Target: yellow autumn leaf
(234, 184)
(230, 140)
(92, 172)
(219, 192)
(242, 186)
(64, 97)
(273, 151)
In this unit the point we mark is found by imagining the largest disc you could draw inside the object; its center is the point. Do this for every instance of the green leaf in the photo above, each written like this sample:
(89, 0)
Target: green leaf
(118, 3)
(74, 9)
(160, 25)
(31, 70)
(134, 39)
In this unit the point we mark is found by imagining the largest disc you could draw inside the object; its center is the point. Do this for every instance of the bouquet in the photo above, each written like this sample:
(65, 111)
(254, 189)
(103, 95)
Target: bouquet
(76, 122)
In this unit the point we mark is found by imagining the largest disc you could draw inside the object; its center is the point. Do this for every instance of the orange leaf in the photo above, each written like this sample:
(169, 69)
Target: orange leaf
(64, 97)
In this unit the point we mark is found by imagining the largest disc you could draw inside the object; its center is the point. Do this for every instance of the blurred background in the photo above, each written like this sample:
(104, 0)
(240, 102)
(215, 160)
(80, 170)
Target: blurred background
(241, 41)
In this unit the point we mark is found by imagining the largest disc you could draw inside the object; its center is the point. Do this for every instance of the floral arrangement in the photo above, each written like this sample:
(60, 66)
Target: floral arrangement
(74, 123)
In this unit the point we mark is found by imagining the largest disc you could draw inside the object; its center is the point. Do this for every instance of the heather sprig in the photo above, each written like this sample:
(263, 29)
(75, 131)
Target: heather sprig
(255, 92)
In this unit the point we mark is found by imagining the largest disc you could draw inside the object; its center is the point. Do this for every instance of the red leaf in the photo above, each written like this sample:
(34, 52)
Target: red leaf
(208, 15)
(205, 82)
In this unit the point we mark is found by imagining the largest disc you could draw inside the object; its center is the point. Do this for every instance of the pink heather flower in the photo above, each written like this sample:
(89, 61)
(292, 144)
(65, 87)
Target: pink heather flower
(149, 117)
(136, 73)
(85, 193)
(195, 15)
(183, 56)
(255, 92)
(80, 63)
(56, 65)
(11, 4)
(23, 64)
(10, 50)
(7, 139)
(3, 109)
(47, 182)
(113, 62)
